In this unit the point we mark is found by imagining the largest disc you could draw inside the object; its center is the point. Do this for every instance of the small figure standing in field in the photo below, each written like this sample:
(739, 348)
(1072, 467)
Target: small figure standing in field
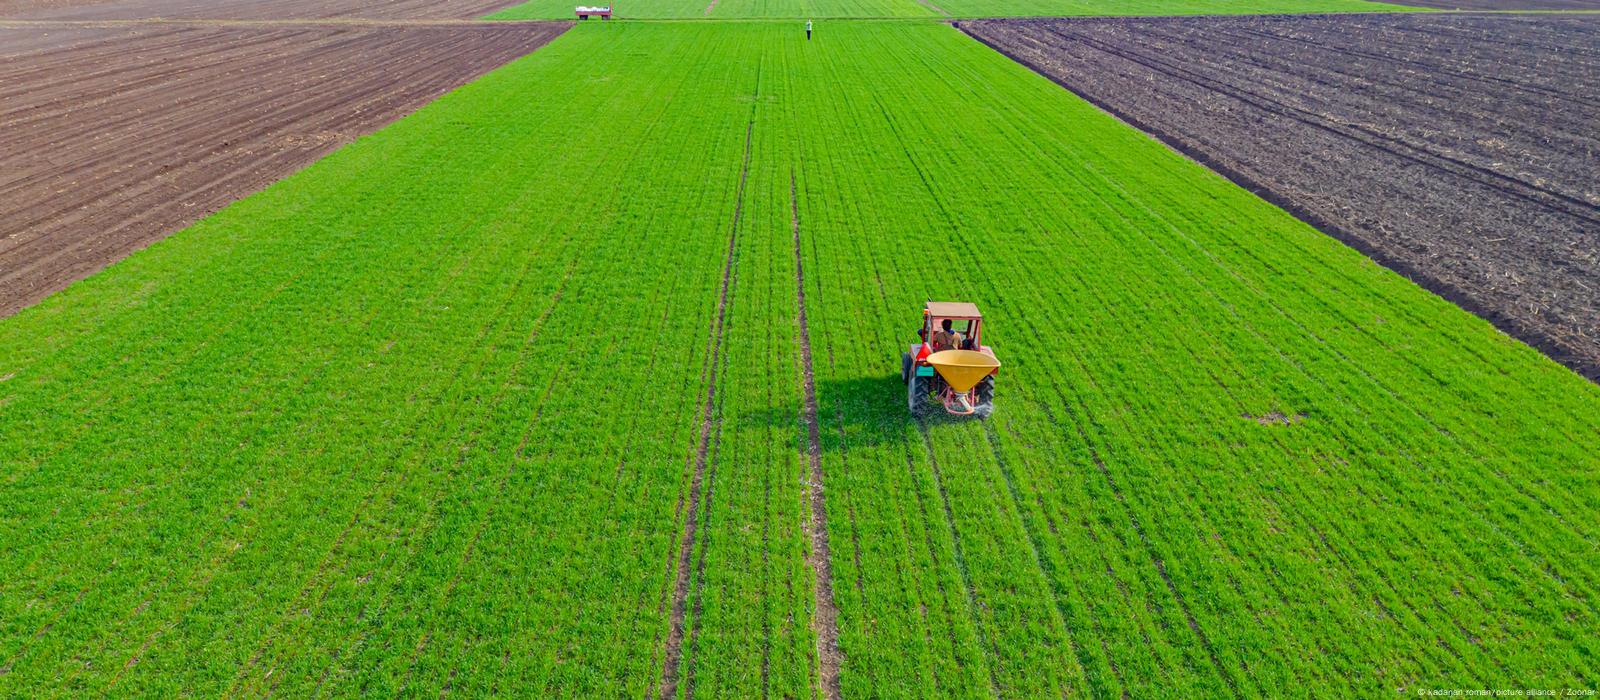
(808, 30)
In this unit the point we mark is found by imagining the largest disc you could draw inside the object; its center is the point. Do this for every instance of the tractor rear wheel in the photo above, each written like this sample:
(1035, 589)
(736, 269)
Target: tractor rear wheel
(984, 393)
(917, 391)
(906, 366)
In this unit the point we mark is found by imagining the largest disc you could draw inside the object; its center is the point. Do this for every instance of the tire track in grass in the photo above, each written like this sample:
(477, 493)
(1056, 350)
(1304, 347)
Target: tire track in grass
(825, 621)
(709, 455)
(708, 421)
(698, 583)
(640, 606)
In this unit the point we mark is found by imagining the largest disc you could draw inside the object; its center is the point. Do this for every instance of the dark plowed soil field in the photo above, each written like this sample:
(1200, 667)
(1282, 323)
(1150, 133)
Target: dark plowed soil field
(111, 139)
(248, 9)
(1503, 4)
(1461, 150)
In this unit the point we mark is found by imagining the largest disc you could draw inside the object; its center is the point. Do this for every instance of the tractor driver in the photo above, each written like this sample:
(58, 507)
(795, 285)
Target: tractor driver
(945, 338)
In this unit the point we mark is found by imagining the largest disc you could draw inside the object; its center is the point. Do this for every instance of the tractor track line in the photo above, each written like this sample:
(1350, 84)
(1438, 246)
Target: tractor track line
(825, 622)
(674, 653)
(699, 581)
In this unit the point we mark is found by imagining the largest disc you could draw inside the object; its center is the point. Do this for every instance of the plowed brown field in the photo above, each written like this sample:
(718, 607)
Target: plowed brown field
(248, 9)
(1503, 4)
(1461, 150)
(113, 137)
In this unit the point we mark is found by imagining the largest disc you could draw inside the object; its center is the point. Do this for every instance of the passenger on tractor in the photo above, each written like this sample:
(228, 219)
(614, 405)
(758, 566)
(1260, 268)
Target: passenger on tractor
(945, 338)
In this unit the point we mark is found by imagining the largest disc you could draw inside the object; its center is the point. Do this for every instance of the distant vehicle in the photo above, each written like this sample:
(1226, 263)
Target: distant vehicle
(951, 364)
(587, 12)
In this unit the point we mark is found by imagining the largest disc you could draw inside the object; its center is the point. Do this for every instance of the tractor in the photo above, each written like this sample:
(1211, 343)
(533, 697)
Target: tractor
(950, 365)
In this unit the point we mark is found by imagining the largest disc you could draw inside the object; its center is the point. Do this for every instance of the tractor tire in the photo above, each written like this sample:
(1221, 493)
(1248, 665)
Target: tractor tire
(984, 394)
(917, 401)
(907, 367)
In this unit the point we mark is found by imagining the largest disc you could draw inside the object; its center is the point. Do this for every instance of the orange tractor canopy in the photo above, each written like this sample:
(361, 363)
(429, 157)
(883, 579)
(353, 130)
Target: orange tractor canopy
(950, 365)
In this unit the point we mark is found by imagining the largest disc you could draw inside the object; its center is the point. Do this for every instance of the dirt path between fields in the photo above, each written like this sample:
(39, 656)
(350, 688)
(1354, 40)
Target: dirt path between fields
(113, 136)
(826, 622)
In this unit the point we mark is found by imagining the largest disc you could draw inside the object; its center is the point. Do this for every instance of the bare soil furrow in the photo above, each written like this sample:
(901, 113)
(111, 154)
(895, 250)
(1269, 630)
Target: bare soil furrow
(825, 624)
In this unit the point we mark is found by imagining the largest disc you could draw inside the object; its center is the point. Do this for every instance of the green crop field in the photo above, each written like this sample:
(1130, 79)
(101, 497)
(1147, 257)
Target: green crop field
(933, 9)
(511, 397)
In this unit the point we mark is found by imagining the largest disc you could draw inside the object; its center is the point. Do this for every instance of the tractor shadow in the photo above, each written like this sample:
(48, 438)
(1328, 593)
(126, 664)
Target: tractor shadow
(852, 413)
